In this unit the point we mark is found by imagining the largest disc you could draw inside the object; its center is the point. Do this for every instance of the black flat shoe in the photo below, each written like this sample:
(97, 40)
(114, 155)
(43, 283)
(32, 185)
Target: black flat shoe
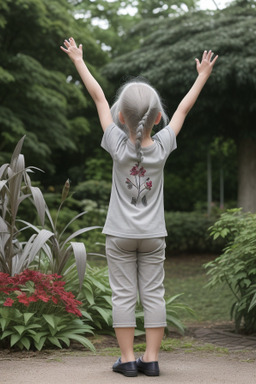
(127, 369)
(149, 369)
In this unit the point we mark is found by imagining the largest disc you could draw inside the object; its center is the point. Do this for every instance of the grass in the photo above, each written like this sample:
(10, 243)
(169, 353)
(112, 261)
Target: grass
(187, 344)
(185, 274)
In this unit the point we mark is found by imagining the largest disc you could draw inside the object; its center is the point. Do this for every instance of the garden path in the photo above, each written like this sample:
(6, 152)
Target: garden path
(181, 366)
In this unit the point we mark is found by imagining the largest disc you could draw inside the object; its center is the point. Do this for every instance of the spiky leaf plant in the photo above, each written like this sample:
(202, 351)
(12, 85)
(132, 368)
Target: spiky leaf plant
(15, 255)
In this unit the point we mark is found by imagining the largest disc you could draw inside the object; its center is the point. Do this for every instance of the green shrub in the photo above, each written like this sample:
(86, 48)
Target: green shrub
(95, 296)
(236, 266)
(16, 254)
(188, 232)
(96, 190)
(36, 312)
(94, 217)
(16, 187)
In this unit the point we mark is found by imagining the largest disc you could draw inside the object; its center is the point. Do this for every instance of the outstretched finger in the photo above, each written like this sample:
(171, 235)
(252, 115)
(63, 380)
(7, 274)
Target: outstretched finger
(64, 49)
(66, 43)
(72, 42)
(209, 55)
(214, 60)
(197, 63)
(204, 55)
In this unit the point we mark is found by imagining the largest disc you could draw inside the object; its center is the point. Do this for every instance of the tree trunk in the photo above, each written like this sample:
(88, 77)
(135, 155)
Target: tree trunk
(247, 175)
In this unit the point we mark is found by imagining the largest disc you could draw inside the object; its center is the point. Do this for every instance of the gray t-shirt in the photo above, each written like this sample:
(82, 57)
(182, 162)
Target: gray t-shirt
(136, 208)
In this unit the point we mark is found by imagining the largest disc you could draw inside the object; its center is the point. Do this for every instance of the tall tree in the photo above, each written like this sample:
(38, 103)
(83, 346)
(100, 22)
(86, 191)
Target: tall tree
(113, 23)
(40, 95)
(227, 106)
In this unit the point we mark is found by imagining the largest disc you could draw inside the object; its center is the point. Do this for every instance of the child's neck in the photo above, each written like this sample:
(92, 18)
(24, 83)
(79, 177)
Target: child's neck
(146, 141)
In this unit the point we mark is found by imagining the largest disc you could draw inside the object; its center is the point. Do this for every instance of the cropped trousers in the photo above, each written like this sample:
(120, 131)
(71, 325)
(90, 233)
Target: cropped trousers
(136, 266)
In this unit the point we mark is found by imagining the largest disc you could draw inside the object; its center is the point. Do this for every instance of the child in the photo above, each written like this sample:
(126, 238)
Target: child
(135, 227)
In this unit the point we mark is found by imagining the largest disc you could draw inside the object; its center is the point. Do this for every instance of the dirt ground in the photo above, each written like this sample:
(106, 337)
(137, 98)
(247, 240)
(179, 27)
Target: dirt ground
(180, 366)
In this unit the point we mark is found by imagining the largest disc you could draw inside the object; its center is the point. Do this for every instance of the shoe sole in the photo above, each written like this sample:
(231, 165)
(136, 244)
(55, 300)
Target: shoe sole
(149, 373)
(126, 373)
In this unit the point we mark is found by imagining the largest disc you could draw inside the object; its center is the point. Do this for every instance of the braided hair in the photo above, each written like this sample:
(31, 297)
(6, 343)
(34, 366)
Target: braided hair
(139, 104)
(139, 136)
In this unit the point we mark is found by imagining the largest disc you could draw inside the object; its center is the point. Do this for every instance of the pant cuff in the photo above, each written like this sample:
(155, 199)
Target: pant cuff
(124, 325)
(154, 325)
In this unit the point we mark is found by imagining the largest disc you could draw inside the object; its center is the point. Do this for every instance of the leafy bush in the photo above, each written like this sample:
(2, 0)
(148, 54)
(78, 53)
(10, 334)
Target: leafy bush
(15, 187)
(36, 311)
(96, 190)
(236, 266)
(56, 244)
(188, 232)
(94, 217)
(95, 296)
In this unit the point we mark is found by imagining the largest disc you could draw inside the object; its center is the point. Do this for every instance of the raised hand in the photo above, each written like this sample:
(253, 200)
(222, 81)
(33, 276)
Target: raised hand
(204, 69)
(74, 52)
(206, 64)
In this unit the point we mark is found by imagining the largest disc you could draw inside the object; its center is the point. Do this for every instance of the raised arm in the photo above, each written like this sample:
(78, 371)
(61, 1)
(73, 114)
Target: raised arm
(76, 55)
(204, 69)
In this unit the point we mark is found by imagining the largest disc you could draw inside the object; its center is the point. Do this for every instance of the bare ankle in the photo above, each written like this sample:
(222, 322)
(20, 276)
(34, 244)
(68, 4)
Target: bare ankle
(148, 357)
(127, 357)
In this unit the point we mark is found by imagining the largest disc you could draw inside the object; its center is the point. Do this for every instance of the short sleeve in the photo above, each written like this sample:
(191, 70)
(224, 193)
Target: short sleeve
(167, 138)
(112, 138)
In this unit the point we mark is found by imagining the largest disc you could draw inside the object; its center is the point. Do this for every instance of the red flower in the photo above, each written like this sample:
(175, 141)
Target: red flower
(32, 299)
(30, 286)
(75, 311)
(22, 298)
(54, 300)
(44, 298)
(8, 302)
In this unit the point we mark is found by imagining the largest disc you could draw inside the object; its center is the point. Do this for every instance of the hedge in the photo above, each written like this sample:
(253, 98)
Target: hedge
(188, 232)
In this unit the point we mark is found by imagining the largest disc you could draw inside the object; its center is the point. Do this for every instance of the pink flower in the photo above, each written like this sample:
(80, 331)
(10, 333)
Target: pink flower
(142, 172)
(135, 170)
(149, 185)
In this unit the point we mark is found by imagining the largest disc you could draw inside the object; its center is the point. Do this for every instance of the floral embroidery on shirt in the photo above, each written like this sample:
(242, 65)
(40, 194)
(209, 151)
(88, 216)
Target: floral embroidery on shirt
(140, 182)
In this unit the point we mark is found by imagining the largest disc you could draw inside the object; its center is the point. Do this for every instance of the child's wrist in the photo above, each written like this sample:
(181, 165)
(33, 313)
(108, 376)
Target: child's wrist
(204, 75)
(77, 60)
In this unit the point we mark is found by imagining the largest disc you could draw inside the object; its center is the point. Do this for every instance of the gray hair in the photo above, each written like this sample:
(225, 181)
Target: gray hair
(139, 104)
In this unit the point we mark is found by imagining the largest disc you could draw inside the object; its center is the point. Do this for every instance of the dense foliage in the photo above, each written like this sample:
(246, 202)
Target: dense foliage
(54, 243)
(188, 233)
(40, 95)
(36, 311)
(236, 265)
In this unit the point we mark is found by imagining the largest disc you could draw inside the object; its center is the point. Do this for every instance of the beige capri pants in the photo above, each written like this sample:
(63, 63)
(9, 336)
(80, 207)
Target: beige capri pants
(136, 265)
